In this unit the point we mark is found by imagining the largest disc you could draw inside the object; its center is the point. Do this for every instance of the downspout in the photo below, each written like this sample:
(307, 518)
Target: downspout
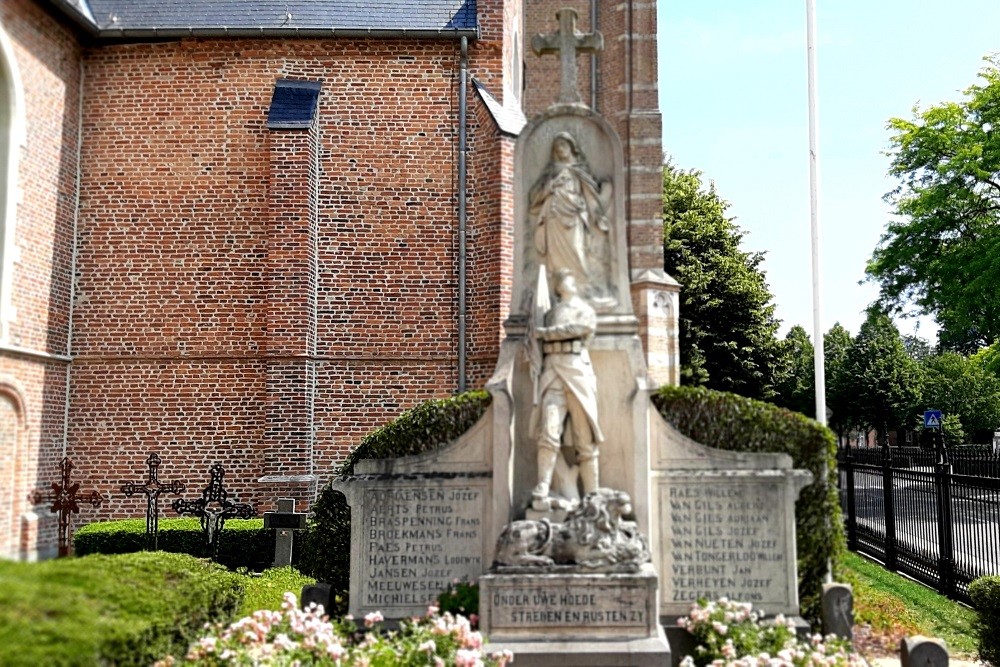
(594, 27)
(73, 258)
(463, 78)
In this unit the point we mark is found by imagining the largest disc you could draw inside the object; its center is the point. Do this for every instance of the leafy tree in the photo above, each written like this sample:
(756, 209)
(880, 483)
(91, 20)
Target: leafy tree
(989, 358)
(918, 348)
(963, 388)
(941, 254)
(880, 382)
(728, 332)
(836, 346)
(796, 389)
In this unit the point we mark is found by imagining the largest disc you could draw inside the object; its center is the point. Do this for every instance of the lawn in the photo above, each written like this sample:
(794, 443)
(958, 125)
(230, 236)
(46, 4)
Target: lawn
(894, 607)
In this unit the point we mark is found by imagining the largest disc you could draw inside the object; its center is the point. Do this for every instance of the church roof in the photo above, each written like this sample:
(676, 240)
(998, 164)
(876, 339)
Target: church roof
(174, 18)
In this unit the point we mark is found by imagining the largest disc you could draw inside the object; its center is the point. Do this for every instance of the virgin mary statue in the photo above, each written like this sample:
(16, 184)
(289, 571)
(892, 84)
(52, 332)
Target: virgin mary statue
(569, 212)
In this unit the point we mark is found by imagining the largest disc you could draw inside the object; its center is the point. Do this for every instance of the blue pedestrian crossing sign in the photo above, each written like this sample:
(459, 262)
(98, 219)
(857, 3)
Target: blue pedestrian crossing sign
(932, 419)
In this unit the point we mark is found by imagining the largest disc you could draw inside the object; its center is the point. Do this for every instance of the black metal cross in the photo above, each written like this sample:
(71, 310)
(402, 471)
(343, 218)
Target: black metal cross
(152, 488)
(213, 520)
(567, 42)
(65, 497)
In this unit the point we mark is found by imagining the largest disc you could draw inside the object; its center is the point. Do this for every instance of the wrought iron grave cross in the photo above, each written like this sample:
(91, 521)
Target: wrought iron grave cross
(152, 488)
(567, 42)
(285, 522)
(65, 497)
(213, 519)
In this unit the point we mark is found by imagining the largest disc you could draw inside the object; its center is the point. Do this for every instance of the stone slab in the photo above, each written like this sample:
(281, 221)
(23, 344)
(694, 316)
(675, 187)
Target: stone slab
(645, 652)
(727, 535)
(411, 537)
(564, 607)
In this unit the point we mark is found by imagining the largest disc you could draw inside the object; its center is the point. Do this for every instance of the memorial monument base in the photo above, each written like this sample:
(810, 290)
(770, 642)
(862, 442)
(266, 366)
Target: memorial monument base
(645, 652)
(584, 620)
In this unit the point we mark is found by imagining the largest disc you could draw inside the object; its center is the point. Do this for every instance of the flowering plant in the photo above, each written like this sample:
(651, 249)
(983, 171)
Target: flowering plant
(732, 634)
(299, 638)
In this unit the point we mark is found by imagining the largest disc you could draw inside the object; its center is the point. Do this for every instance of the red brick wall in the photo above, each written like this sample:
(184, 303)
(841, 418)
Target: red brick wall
(189, 209)
(47, 59)
(209, 324)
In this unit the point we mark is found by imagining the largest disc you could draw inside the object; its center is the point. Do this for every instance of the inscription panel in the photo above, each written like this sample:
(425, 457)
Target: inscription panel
(728, 537)
(412, 540)
(566, 606)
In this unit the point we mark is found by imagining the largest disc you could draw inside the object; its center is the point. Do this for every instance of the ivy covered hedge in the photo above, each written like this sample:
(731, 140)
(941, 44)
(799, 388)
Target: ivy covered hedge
(109, 610)
(732, 422)
(243, 542)
(430, 425)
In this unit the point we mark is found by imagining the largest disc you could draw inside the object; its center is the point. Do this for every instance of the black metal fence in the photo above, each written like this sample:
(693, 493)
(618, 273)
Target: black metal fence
(932, 514)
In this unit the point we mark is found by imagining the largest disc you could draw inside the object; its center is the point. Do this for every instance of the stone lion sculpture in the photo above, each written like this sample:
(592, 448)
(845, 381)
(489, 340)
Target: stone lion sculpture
(595, 536)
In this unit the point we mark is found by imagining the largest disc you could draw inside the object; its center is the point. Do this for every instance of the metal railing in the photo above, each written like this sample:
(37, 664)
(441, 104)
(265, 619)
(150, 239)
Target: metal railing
(932, 514)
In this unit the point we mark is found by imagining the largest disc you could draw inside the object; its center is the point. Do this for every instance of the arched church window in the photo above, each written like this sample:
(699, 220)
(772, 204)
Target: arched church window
(11, 137)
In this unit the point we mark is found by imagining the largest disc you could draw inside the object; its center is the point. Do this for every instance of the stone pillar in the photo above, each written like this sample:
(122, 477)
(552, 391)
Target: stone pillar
(656, 300)
(291, 283)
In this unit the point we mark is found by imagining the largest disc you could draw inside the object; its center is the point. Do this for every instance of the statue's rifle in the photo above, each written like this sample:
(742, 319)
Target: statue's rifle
(532, 343)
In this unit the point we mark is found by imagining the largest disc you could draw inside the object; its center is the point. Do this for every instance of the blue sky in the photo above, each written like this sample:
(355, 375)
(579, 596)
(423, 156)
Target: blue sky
(732, 77)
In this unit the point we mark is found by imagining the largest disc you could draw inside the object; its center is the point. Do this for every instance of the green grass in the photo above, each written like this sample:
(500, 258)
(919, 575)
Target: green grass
(266, 590)
(894, 605)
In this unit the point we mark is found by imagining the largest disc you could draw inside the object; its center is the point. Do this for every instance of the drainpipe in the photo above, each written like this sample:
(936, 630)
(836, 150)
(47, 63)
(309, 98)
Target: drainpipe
(593, 57)
(463, 78)
(78, 178)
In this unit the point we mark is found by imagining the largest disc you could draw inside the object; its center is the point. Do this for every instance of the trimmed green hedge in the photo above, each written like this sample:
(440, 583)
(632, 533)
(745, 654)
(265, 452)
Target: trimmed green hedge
(327, 546)
(243, 542)
(985, 594)
(426, 427)
(732, 422)
(109, 610)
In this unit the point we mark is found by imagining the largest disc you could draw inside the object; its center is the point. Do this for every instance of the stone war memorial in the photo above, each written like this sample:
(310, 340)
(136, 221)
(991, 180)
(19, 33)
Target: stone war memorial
(589, 522)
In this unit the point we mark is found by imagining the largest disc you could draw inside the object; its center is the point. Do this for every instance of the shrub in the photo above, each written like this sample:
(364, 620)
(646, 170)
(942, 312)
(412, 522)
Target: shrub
(294, 637)
(243, 542)
(430, 425)
(462, 597)
(327, 544)
(985, 595)
(732, 422)
(731, 634)
(109, 610)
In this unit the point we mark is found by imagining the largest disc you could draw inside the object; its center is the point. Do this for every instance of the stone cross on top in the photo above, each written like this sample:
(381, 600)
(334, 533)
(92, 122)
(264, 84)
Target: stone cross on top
(567, 42)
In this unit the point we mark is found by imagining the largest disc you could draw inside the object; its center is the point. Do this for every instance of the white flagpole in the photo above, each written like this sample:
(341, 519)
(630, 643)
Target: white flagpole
(818, 356)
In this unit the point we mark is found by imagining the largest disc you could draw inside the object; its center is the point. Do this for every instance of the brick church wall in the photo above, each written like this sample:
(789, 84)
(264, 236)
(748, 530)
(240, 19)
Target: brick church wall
(175, 330)
(32, 370)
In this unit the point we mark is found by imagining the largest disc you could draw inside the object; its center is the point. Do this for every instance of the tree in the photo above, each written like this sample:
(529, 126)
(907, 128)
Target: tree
(796, 389)
(836, 346)
(728, 332)
(880, 383)
(963, 388)
(941, 255)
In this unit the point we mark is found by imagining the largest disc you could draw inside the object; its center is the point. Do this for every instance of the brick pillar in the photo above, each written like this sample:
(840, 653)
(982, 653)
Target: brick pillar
(630, 101)
(290, 341)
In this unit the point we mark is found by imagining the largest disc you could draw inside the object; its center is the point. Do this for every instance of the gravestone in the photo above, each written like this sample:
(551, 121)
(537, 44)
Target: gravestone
(285, 522)
(838, 610)
(922, 652)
